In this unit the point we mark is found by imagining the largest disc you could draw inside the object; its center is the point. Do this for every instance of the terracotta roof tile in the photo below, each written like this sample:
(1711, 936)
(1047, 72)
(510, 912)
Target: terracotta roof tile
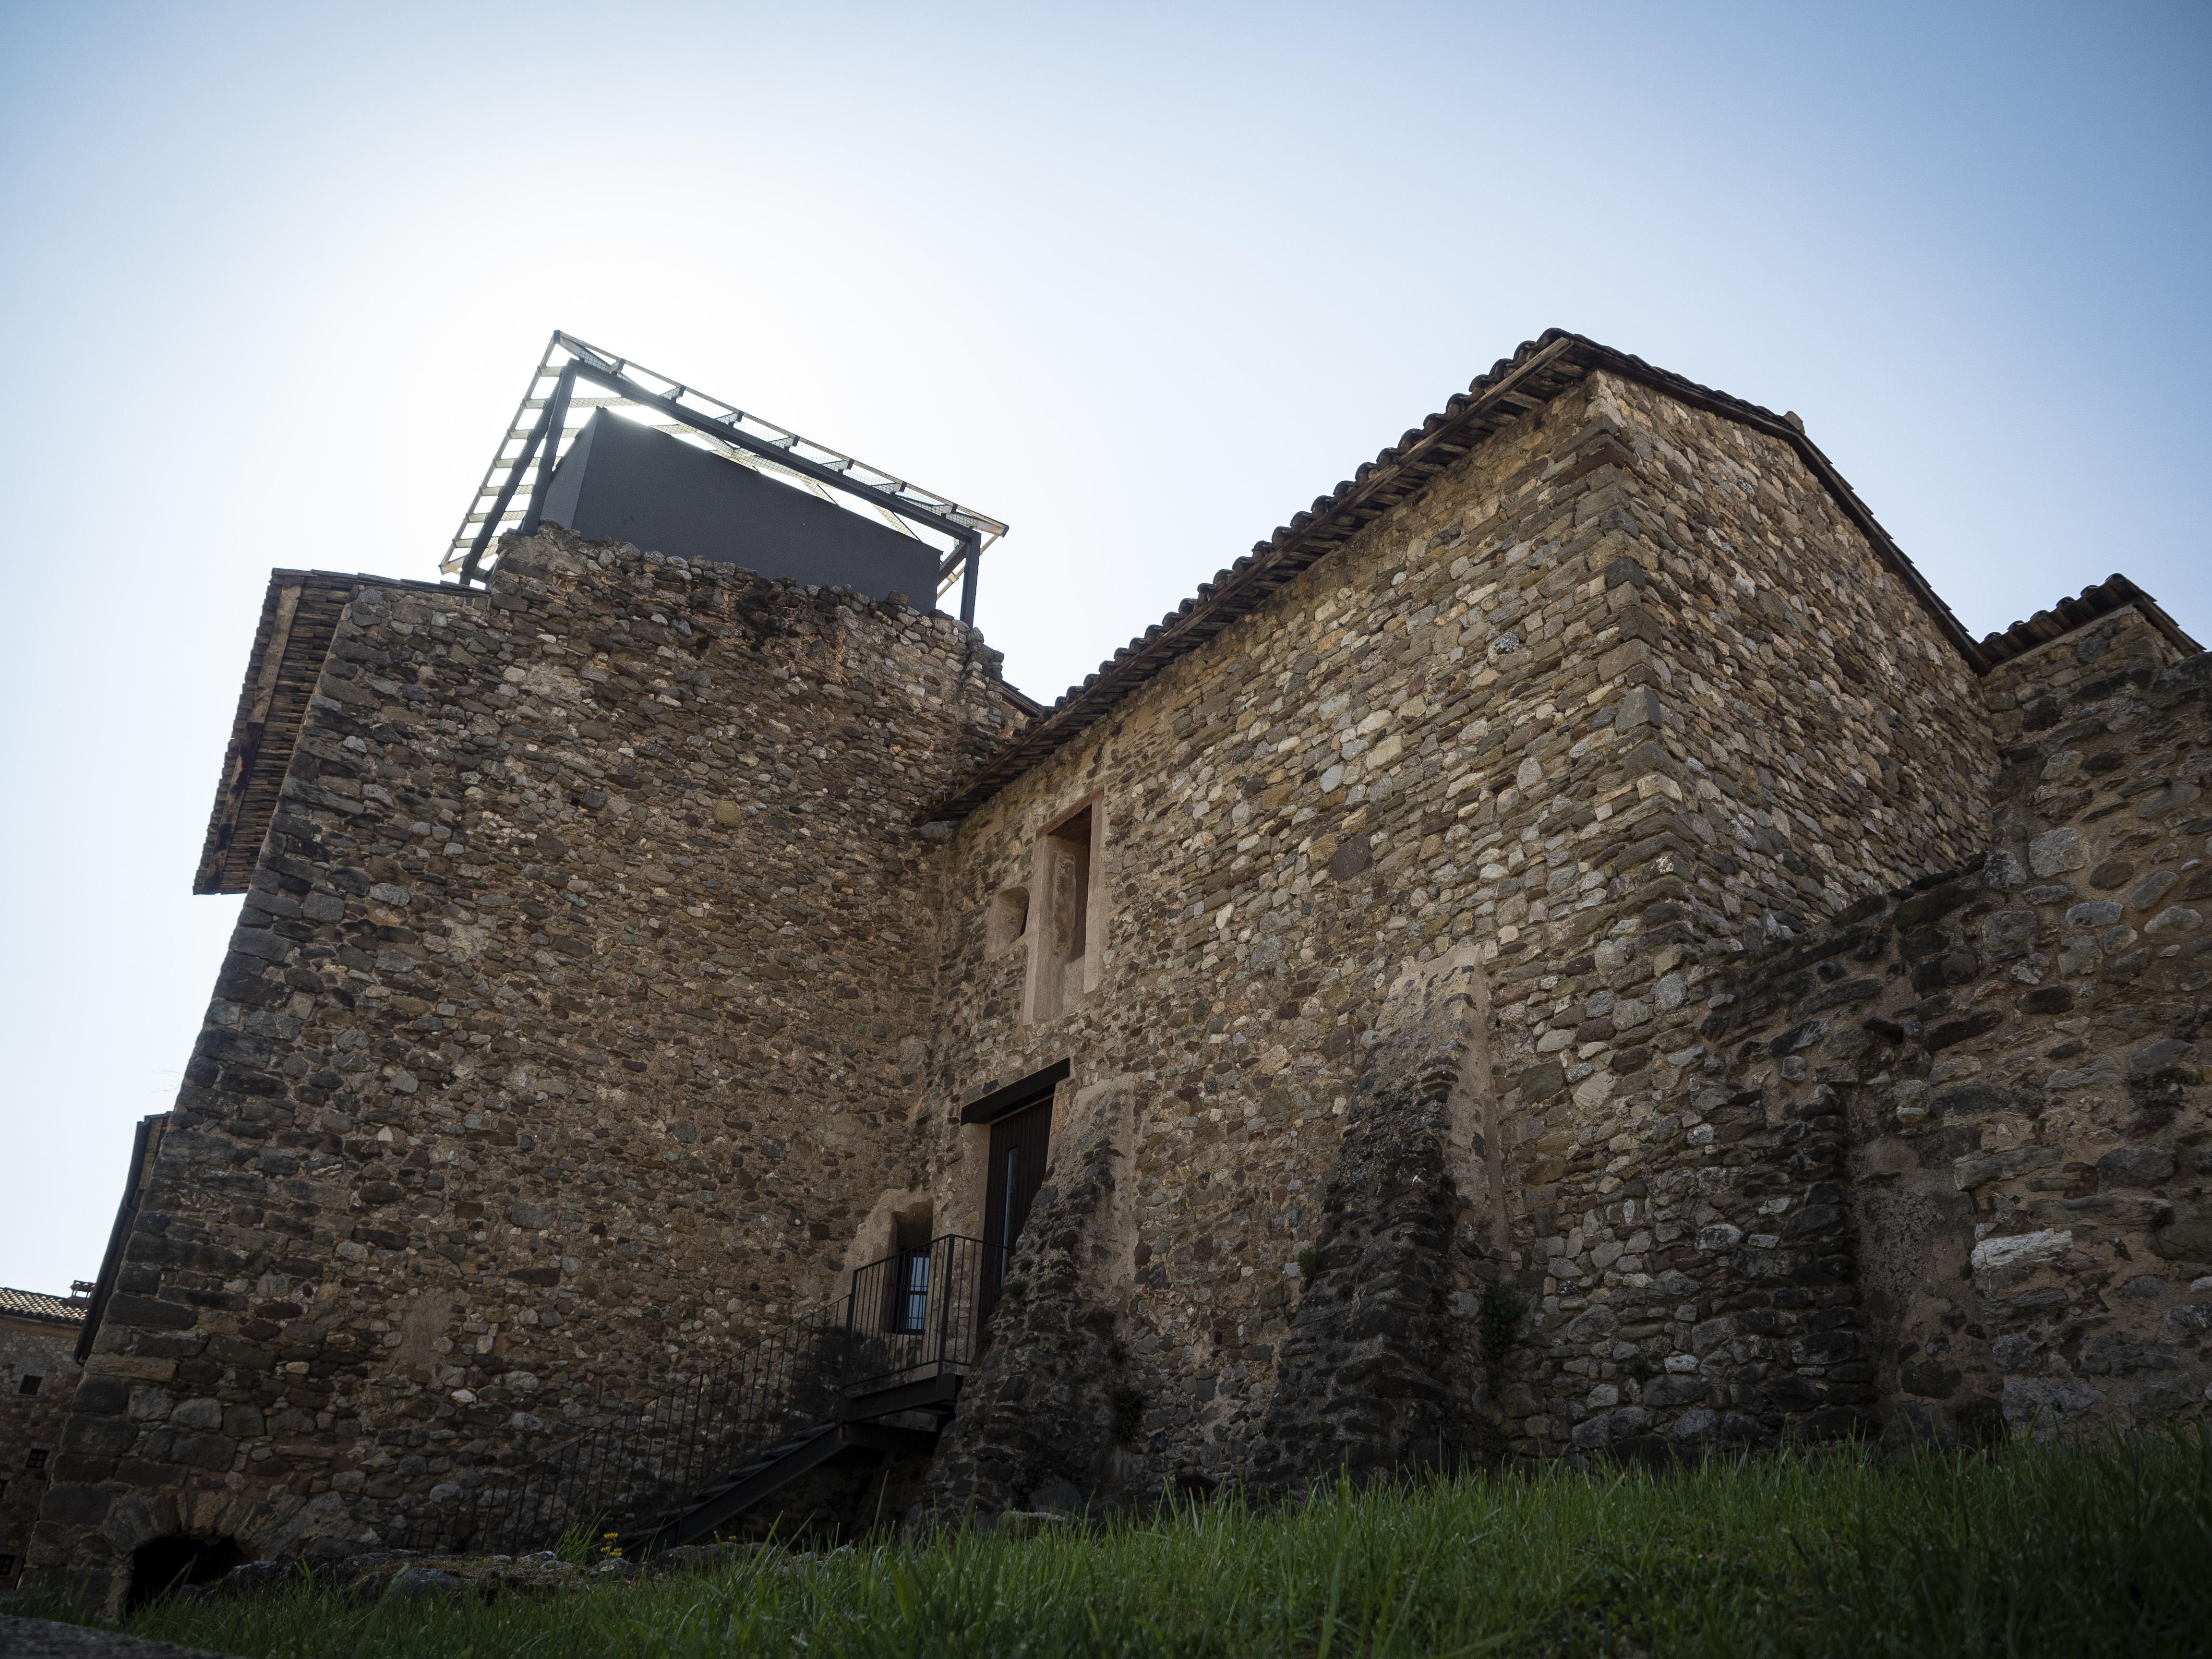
(2098, 599)
(1532, 375)
(37, 1304)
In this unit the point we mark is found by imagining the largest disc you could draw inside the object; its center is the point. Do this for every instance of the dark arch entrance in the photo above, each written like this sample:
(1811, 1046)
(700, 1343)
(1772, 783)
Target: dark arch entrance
(167, 1563)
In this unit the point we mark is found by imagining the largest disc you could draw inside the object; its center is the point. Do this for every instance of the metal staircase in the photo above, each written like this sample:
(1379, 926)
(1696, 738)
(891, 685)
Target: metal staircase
(858, 1438)
(871, 1376)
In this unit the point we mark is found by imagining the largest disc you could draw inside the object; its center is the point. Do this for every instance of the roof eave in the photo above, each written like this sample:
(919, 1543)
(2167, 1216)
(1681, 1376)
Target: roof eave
(1538, 372)
(2099, 599)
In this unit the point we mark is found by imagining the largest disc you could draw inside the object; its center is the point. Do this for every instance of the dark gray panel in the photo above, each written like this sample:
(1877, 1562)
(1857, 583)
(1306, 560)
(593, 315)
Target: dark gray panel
(623, 482)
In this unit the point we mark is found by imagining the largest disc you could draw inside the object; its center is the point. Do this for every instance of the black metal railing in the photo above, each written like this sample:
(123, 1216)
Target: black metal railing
(909, 1318)
(670, 406)
(914, 1314)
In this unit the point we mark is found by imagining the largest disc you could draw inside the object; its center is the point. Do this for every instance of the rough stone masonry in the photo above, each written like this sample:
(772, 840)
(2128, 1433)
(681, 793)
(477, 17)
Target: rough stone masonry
(37, 1370)
(1568, 948)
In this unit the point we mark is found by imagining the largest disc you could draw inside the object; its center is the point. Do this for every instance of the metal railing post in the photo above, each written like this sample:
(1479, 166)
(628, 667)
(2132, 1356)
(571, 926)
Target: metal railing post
(941, 1295)
(557, 419)
(469, 566)
(974, 548)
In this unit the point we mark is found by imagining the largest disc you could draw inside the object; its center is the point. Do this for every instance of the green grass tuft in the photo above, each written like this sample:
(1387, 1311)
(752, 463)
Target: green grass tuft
(2073, 1551)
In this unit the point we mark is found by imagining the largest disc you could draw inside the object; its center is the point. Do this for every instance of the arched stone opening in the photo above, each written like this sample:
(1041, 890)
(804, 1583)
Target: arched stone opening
(162, 1564)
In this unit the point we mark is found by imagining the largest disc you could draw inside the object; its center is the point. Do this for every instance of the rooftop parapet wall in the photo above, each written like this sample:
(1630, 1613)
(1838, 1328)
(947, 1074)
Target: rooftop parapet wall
(1545, 709)
(568, 1027)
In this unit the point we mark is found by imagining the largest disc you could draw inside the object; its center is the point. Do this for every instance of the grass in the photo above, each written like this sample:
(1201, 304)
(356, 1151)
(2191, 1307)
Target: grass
(2074, 1550)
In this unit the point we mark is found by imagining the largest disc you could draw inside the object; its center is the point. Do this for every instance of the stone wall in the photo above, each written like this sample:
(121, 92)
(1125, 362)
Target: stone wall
(1510, 972)
(1824, 737)
(1621, 692)
(2063, 1134)
(1936, 1168)
(30, 1425)
(2024, 694)
(567, 1032)
(1377, 1374)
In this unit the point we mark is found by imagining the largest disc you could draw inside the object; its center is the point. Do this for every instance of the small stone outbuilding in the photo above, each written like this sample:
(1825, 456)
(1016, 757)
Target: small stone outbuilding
(39, 1371)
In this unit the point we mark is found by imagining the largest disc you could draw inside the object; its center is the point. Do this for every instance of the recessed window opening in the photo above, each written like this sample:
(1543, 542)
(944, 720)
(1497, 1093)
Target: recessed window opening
(30, 1385)
(908, 1313)
(1062, 965)
(1071, 885)
(37, 1459)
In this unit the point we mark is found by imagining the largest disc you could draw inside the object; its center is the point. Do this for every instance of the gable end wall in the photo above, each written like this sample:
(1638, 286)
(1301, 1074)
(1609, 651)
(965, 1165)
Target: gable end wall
(1605, 704)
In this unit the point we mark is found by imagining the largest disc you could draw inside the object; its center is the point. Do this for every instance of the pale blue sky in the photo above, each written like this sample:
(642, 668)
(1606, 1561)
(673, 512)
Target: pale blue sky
(1140, 280)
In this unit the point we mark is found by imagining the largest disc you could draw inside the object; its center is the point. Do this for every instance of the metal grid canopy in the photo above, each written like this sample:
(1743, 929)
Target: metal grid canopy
(513, 494)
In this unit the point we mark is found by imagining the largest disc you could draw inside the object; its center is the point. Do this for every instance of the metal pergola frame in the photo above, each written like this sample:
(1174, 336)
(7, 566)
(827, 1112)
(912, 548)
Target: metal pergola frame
(728, 431)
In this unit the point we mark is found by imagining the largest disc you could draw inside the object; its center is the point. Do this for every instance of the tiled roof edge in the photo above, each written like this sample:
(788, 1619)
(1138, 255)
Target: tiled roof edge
(2099, 599)
(38, 1305)
(1553, 358)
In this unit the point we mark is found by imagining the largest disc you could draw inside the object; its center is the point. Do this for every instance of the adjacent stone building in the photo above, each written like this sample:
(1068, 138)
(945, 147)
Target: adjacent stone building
(1567, 947)
(38, 1373)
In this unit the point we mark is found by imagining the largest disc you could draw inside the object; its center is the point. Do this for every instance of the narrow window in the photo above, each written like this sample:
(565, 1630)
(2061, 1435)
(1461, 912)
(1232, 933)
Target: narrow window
(37, 1459)
(909, 1286)
(30, 1385)
(1071, 886)
(1062, 964)
(1009, 1206)
(914, 1304)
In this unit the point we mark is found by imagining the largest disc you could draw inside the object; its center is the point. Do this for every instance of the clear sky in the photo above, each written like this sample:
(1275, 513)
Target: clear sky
(1141, 280)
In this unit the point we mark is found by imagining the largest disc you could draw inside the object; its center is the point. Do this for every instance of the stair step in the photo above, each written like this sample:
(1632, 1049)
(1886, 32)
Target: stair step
(651, 1526)
(708, 1505)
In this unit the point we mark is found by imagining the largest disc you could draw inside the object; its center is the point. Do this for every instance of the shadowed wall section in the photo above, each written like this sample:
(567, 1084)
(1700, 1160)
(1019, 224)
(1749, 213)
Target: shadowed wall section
(1367, 1378)
(1036, 1424)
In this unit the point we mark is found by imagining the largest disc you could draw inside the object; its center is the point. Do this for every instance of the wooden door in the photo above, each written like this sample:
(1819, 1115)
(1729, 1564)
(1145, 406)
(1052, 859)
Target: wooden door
(1019, 1145)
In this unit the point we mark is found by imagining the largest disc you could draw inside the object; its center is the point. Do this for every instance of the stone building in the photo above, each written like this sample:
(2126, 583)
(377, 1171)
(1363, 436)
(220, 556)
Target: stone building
(37, 1372)
(1567, 947)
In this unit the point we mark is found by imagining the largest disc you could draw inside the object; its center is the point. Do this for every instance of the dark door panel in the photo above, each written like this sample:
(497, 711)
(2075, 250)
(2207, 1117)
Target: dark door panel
(1019, 1142)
